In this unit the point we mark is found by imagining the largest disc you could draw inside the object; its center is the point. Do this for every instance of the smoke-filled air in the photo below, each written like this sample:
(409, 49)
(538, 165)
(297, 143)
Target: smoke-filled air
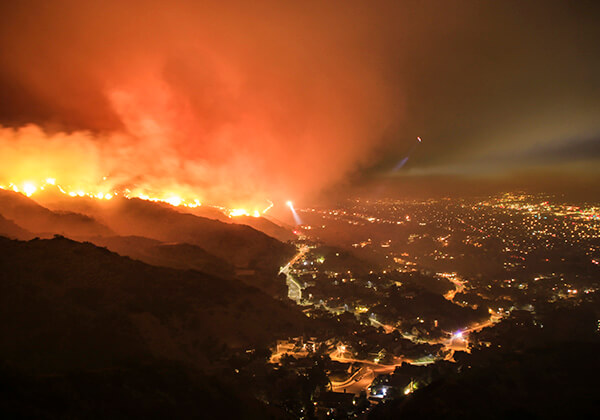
(192, 103)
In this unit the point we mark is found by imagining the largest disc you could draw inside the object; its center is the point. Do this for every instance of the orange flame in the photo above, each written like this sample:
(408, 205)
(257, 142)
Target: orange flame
(30, 188)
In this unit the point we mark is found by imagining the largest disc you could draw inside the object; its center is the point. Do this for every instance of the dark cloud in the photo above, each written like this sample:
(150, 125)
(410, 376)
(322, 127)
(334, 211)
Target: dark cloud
(568, 151)
(490, 78)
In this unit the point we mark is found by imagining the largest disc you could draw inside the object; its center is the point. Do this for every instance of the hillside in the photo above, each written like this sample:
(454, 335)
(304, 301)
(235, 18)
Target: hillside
(241, 246)
(39, 220)
(154, 233)
(159, 390)
(266, 226)
(181, 256)
(238, 244)
(11, 230)
(558, 380)
(66, 305)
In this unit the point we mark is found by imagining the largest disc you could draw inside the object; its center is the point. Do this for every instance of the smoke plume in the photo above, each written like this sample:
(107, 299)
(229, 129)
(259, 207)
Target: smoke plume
(228, 104)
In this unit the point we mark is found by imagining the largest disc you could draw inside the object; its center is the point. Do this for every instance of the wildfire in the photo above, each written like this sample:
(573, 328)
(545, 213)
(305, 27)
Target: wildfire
(30, 188)
(238, 212)
(243, 212)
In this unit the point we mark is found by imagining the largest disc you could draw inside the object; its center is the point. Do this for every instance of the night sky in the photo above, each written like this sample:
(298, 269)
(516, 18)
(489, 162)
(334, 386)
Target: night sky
(247, 102)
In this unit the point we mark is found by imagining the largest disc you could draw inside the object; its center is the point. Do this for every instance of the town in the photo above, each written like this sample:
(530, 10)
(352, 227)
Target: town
(410, 287)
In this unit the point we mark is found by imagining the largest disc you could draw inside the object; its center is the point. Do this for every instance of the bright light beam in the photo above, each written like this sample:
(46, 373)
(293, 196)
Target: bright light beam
(293, 210)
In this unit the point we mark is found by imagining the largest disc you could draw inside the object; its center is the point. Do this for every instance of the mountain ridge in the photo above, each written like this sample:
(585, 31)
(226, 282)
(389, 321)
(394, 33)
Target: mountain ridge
(94, 307)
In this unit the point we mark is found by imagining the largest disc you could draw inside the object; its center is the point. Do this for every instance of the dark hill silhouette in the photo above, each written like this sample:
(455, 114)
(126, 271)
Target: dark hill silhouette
(149, 391)
(157, 233)
(67, 305)
(11, 230)
(87, 333)
(557, 381)
(266, 226)
(181, 256)
(184, 256)
(39, 220)
(239, 245)
(53, 199)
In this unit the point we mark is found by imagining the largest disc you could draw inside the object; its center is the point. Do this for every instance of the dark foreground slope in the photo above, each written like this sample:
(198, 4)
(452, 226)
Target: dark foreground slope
(74, 304)
(558, 381)
(155, 233)
(181, 256)
(79, 324)
(137, 390)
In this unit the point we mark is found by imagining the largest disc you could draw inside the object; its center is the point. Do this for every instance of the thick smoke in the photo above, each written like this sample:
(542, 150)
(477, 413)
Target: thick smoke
(236, 102)
(233, 104)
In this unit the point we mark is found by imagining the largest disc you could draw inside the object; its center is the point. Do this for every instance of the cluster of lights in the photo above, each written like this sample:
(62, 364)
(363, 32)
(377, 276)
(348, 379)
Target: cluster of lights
(524, 203)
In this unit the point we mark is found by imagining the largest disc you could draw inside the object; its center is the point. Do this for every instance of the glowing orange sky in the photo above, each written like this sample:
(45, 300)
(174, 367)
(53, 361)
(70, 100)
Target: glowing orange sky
(239, 102)
(202, 99)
